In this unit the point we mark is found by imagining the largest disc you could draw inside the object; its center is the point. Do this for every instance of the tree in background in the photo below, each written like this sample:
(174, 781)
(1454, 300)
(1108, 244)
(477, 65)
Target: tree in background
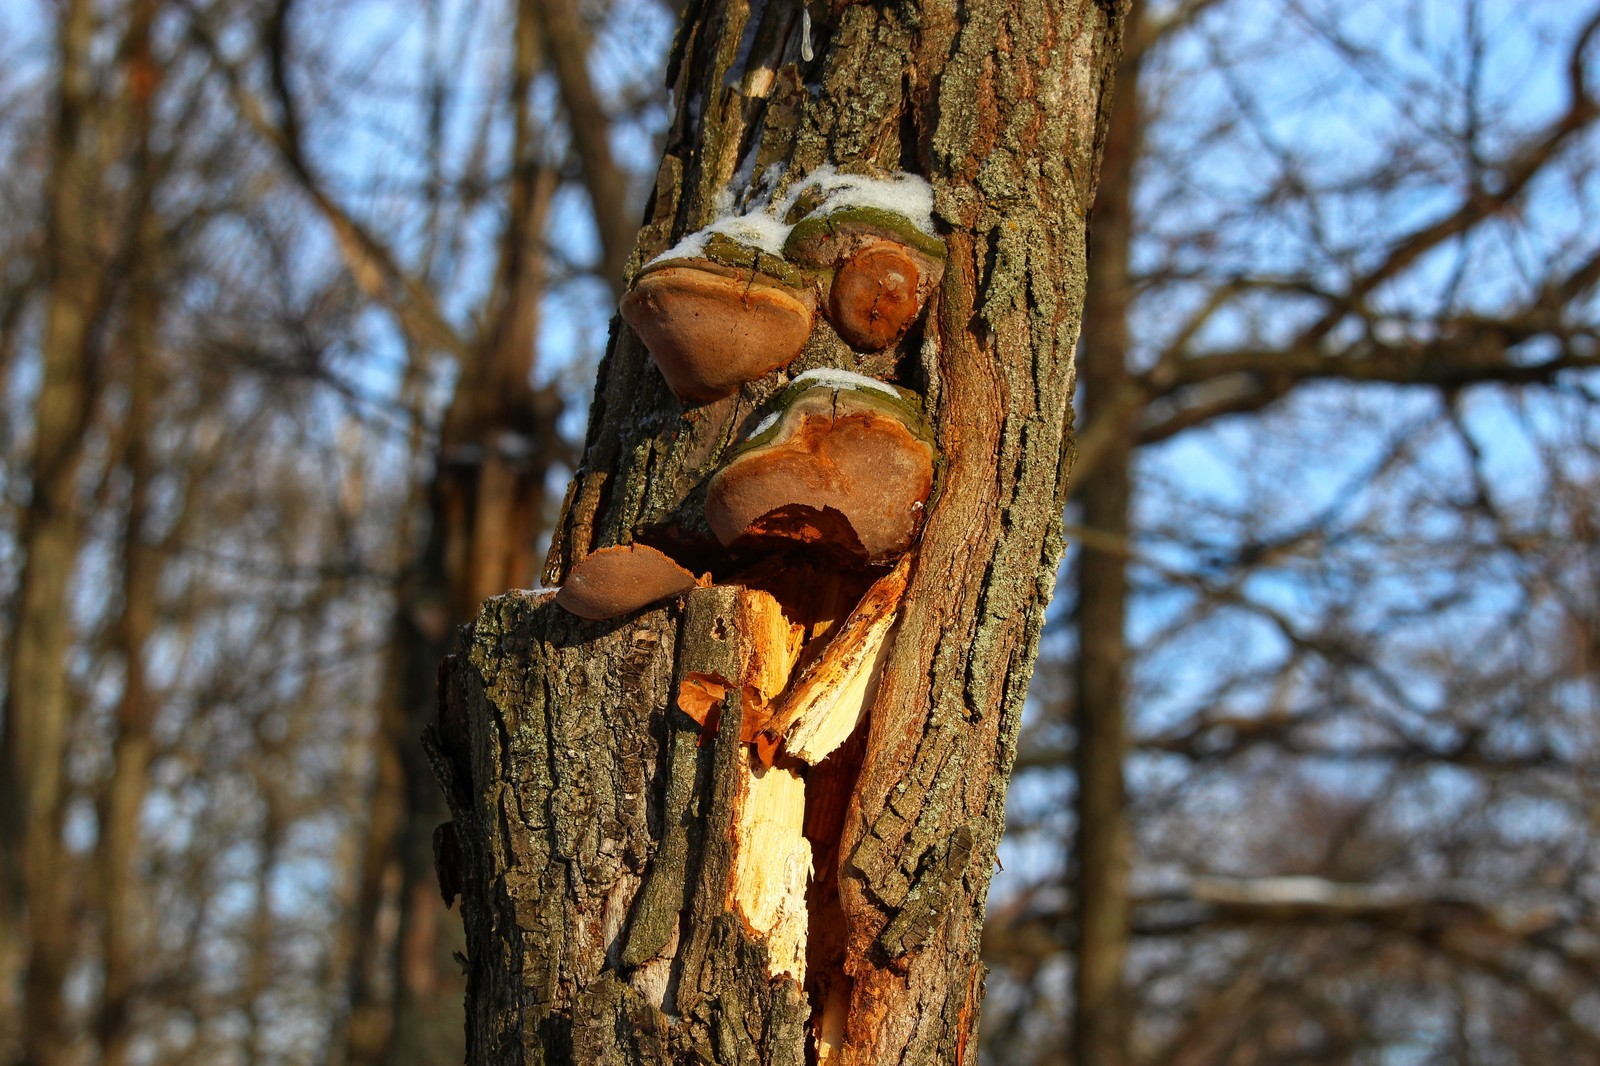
(260, 386)
(473, 525)
(1332, 604)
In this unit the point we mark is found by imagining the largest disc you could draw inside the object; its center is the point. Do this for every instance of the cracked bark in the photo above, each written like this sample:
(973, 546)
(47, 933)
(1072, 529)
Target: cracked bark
(592, 814)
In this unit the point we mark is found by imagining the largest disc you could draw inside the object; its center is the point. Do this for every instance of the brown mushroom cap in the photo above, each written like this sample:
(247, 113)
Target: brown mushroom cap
(615, 581)
(847, 469)
(709, 332)
(875, 295)
(886, 268)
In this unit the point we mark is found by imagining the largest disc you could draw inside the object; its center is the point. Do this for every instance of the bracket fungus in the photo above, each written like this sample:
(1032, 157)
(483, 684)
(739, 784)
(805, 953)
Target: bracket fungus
(874, 296)
(616, 581)
(885, 268)
(711, 327)
(846, 463)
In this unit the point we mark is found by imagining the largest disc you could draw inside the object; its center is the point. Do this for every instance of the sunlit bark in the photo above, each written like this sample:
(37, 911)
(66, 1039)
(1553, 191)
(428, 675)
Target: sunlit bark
(570, 772)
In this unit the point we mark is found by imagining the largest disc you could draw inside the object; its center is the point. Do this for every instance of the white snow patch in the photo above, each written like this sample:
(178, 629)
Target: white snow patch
(763, 425)
(691, 247)
(769, 180)
(907, 195)
(844, 379)
(758, 230)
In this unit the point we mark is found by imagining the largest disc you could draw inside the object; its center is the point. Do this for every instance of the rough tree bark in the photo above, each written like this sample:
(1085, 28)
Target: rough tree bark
(594, 838)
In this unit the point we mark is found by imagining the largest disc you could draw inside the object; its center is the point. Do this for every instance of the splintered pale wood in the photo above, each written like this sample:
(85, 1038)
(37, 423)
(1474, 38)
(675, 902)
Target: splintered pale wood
(768, 645)
(739, 646)
(814, 594)
(827, 701)
(772, 863)
(830, 1021)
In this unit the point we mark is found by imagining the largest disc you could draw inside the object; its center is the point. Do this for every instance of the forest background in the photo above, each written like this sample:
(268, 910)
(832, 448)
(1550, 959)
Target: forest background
(299, 305)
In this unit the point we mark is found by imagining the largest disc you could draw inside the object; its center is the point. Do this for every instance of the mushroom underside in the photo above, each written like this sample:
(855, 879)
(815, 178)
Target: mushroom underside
(855, 484)
(708, 334)
(615, 581)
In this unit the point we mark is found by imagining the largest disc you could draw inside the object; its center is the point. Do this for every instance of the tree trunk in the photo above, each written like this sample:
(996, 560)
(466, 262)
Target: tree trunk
(120, 885)
(1099, 1035)
(117, 847)
(37, 938)
(602, 837)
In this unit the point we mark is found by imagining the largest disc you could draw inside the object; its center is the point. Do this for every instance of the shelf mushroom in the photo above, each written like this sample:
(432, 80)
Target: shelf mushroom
(884, 270)
(615, 581)
(846, 463)
(710, 325)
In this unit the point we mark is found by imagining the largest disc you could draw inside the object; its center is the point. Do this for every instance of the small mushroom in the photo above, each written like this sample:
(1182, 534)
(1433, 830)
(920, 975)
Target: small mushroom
(710, 328)
(886, 268)
(615, 581)
(846, 464)
(874, 296)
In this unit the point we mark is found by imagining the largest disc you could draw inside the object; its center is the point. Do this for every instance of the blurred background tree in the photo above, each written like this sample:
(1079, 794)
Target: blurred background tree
(299, 302)
(1317, 740)
(278, 281)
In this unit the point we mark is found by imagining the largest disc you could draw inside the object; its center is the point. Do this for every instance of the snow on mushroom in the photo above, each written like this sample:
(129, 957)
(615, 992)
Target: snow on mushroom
(734, 300)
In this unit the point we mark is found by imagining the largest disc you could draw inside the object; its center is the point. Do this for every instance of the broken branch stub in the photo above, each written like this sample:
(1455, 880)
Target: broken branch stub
(766, 646)
(740, 642)
(841, 467)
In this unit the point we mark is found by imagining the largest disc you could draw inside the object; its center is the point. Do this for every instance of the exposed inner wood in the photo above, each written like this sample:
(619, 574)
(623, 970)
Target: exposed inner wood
(771, 866)
(788, 812)
(829, 698)
(772, 863)
(769, 646)
(828, 1026)
(787, 815)
(829, 788)
(815, 595)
